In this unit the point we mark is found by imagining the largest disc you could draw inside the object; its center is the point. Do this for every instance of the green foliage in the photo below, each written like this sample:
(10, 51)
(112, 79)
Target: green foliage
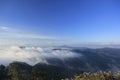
(3, 74)
(37, 75)
(97, 76)
(22, 71)
(15, 72)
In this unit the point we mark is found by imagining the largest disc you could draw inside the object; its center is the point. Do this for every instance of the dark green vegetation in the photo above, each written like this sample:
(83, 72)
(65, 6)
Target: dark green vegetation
(23, 71)
(20, 71)
(96, 76)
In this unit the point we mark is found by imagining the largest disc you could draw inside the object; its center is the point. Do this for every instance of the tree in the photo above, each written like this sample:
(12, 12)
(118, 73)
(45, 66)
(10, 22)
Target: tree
(3, 73)
(20, 71)
(37, 75)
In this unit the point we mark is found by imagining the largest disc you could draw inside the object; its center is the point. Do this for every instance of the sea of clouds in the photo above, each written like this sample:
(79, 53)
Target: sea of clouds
(33, 55)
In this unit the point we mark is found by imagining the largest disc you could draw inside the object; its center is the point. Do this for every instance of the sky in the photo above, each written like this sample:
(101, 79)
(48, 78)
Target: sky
(59, 21)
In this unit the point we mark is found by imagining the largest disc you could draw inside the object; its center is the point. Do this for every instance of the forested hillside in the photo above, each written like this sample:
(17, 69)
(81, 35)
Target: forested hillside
(23, 71)
(20, 71)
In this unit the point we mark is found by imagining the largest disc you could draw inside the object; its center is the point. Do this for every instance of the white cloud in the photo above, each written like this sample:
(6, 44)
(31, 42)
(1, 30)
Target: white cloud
(14, 33)
(33, 55)
(32, 36)
(4, 28)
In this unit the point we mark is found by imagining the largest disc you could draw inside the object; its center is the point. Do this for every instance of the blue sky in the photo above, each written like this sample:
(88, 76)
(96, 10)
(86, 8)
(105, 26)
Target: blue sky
(60, 20)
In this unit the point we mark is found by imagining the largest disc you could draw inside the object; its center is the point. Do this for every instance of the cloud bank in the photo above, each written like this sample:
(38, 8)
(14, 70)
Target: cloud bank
(33, 55)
